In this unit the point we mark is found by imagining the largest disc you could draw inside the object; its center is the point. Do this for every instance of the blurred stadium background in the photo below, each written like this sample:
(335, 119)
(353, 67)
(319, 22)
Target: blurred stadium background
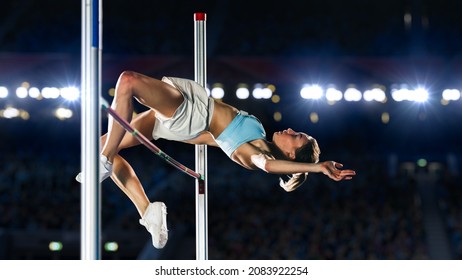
(376, 82)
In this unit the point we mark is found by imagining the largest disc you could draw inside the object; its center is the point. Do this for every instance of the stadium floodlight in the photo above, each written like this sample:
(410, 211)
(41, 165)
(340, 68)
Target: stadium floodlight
(63, 113)
(333, 94)
(375, 94)
(3, 92)
(21, 92)
(352, 94)
(34, 92)
(257, 93)
(70, 93)
(242, 92)
(217, 91)
(400, 94)
(260, 91)
(451, 94)
(312, 91)
(266, 93)
(403, 93)
(10, 112)
(420, 95)
(50, 92)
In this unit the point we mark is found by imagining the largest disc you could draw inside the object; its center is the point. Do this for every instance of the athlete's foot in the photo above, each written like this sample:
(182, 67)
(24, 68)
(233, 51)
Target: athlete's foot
(155, 221)
(105, 170)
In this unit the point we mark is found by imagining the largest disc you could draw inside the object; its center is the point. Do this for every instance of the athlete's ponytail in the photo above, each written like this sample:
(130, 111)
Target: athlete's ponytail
(295, 181)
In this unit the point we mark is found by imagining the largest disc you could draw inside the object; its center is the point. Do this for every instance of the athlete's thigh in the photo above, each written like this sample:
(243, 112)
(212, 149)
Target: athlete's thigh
(157, 94)
(144, 124)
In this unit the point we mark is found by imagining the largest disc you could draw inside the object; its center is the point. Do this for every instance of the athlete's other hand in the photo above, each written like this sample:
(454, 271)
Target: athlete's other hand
(333, 171)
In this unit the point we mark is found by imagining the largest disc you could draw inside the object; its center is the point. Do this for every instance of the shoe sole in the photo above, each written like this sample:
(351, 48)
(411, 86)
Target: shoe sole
(159, 209)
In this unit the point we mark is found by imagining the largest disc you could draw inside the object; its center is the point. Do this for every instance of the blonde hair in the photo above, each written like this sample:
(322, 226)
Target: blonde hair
(308, 153)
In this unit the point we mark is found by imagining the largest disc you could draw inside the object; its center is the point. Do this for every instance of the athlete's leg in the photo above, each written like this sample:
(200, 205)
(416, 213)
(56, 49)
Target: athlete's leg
(126, 179)
(153, 215)
(123, 174)
(143, 123)
(150, 92)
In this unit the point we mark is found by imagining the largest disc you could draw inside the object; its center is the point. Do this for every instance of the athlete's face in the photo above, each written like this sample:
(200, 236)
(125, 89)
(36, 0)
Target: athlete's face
(289, 140)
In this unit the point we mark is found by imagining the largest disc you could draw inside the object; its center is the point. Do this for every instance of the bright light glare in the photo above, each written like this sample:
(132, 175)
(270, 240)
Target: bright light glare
(70, 93)
(34, 92)
(261, 92)
(63, 113)
(420, 95)
(400, 94)
(405, 94)
(10, 113)
(375, 94)
(257, 93)
(3, 92)
(50, 92)
(311, 92)
(333, 94)
(217, 93)
(352, 94)
(242, 93)
(451, 94)
(21, 92)
(266, 93)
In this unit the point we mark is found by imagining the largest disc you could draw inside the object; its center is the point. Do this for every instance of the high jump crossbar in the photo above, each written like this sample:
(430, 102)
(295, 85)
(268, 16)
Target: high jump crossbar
(151, 146)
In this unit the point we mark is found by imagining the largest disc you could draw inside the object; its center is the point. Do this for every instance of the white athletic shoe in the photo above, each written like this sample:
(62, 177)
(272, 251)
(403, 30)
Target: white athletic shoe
(155, 221)
(105, 170)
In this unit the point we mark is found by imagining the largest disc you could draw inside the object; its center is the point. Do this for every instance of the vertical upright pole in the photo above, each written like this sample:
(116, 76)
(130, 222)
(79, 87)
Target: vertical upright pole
(90, 128)
(201, 150)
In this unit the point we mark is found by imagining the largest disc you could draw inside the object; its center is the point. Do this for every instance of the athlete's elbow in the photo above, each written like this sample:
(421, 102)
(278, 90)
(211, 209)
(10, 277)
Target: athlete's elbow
(264, 169)
(267, 167)
(261, 162)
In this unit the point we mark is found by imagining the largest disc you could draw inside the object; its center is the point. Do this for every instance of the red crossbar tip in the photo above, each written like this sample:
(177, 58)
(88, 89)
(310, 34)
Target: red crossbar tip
(199, 16)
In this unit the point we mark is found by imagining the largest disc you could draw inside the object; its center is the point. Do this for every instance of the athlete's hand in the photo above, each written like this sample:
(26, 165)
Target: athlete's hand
(333, 171)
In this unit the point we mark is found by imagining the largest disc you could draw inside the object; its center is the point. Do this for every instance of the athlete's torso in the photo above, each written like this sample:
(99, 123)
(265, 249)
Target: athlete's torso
(222, 117)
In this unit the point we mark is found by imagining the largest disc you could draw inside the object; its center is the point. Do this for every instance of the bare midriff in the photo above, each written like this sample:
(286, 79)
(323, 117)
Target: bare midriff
(223, 115)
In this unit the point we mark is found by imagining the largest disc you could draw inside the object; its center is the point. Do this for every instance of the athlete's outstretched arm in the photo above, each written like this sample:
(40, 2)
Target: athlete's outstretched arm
(328, 168)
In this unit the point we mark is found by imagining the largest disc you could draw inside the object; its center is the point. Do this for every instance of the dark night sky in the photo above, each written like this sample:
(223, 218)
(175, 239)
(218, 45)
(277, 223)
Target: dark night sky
(288, 28)
(341, 32)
